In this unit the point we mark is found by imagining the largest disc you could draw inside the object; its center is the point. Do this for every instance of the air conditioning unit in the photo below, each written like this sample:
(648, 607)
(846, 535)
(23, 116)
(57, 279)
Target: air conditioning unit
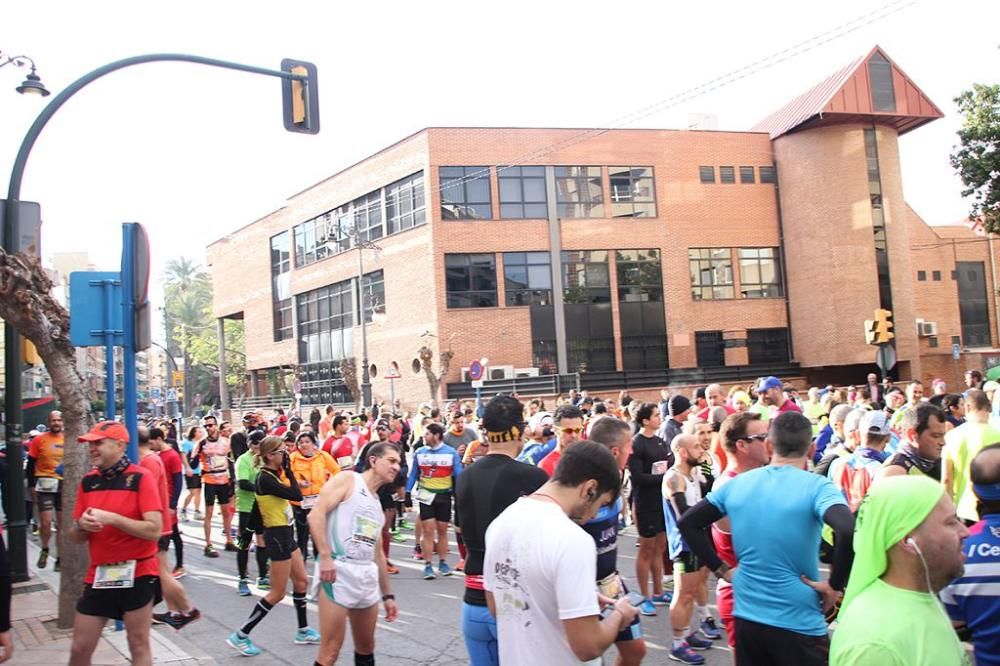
(527, 372)
(465, 375)
(500, 371)
(927, 328)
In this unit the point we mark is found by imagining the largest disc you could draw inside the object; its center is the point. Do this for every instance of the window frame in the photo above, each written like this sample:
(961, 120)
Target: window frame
(633, 203)
(507, 175)
(410, 190)
(745, 259)
(453, 298)
(460, 210)
(711, 291)
(513, 294)
(704, 172)
(570, 175)
(747, 176)
(727, 175)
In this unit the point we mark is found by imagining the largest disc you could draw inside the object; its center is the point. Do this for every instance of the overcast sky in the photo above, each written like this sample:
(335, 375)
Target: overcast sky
(195, 152)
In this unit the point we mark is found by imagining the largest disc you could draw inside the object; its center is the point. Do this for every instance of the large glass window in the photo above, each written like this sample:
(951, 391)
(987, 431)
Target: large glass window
(522, 192)
(632, 191)
(368, 216)
(585, 277)
(760, 272)
(579, 191)
(880, 77)
(373, 295)
(471, 280)
(404, 203)
(281, 297)
(640, 309)
(325, 320)
(465, 193)
(711, 273)
(527, 278)
(589, 326)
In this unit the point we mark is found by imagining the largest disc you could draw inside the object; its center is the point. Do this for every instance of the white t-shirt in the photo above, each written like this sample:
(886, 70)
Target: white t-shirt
(541, 568)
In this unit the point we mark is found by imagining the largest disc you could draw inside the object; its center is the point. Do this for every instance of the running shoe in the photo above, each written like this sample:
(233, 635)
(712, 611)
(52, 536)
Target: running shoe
(429, 572)
(697, 642)
(184, 514)
(232, 532)
(662, 599)
(243, 588)
(56, 567)
(398, 538)
(444, 569)
(43, 558)
(307, 636)
(461, 565)
(179, 572)
(418, 553)
(242, 644)
(264, 583)
(682, 653)
(391, 569)
(709, 629)
(210, 551)
(198, 515)
(178, 620)
(647, 608)
(406, 525)
(231, 547)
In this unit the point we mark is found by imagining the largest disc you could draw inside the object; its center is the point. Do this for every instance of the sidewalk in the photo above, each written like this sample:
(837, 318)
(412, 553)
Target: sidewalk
(38, 639)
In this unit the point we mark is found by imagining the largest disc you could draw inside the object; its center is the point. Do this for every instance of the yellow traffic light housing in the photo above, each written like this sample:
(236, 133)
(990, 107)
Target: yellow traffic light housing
(878, 331)
(29, 354)
(300, 97)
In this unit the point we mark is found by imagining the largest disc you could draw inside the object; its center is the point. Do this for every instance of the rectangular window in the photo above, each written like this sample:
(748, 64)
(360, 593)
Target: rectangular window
(922, 276)
(368, 216)
(632, 191)
(880, 76)
(281, 298)
(465, 193)
(373, 295)
(767, 345)
(640, 309)
(522, 193)
(404, 203)
(325, 321)
(711, 273)
(471, 280)
(709, 349)
(706, 174)
(579, 192)
(768, 175)
(282, 313)
(527, 278)
(936, 276)
(585, 277)
(589, 324)
(727, 174)
(760, 272)
(973, 303)
(746, 174)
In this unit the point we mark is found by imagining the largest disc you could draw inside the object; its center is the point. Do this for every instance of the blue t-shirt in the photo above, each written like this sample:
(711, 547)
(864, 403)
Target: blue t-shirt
(973, 598)
(534, 454)
(186, 447)
(776, 515)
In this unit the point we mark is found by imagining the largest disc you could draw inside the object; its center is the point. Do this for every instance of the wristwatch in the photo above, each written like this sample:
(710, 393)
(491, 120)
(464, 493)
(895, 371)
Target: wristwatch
(387, 597)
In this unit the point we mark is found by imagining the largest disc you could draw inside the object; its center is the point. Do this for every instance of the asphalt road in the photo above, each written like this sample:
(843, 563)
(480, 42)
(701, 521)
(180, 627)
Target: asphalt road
(427, 632)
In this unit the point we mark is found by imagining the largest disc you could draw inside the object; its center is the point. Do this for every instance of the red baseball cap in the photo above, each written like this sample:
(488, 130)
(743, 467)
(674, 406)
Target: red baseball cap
(106, 430)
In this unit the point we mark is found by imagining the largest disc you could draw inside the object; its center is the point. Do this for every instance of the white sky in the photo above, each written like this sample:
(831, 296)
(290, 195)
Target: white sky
(194, 152)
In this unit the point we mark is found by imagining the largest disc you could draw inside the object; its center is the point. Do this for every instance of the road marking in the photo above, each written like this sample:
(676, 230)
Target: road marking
(446, 596)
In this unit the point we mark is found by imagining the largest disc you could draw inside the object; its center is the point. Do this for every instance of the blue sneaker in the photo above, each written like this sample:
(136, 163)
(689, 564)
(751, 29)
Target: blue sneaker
(444, 569)
(709, 630)
(697, 642)
(264, 583)
(647, 608)
(307, 636)
(686, 655)
(242, 644)
(429, 572)
(662, 599)
(244, 588)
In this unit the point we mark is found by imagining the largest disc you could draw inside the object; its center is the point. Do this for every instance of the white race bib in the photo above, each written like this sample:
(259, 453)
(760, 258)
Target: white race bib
(659, 467)
(309, 501)
(424, 496)
(46, 484)
(345, 462)
(365, 530)
(115, 575)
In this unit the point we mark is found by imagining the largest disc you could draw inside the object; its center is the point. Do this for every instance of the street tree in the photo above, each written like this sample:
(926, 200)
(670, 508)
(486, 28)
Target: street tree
(26, 303)
(434, 378)
(977, 157)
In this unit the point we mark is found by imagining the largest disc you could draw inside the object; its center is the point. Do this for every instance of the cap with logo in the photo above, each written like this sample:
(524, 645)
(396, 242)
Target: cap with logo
(106, 430)
(875, 423)
(768, 383)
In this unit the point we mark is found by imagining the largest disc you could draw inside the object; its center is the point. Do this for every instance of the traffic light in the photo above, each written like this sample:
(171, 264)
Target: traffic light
(300, 98)
(29, 353)
(878, 331)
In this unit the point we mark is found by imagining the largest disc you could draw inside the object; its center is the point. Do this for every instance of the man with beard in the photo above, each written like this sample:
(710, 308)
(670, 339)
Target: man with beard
(45, 454)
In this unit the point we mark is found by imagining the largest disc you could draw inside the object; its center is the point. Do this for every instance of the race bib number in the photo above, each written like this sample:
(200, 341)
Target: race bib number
(345, 462)
(116, 575)
(365, 530)
(611, 586)
(424, 496)
(216, 464)
(660, 467)
(309, 501)
(289, 516)
(47, 484)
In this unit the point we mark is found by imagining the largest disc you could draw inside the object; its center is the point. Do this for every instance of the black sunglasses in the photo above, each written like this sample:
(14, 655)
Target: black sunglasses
(759, 438)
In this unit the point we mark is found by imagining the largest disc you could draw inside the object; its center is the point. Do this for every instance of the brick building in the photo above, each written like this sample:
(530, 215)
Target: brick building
(677, 256)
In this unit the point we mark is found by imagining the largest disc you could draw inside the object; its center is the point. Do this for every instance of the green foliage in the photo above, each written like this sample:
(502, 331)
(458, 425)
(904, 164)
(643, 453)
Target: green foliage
(977, 158)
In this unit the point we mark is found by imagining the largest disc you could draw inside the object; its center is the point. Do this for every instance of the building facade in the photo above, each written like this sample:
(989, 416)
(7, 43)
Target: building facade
(625, 258)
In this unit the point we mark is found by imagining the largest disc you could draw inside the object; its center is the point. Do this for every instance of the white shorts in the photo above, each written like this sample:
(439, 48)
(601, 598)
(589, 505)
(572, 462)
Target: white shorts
(356, 586)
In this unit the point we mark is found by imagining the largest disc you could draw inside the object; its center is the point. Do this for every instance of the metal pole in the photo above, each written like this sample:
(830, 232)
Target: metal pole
(220, 329)
(109, 350)
(392, 395)
(555, 261)
(129, 406)
(366, 386)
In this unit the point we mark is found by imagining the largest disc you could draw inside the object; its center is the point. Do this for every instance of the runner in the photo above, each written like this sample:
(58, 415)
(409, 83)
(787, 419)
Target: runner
(682, 490)
(274, 490)
(923, 427)
(192, 472)
(174, 470)
(119, 514)
(311, 468)
(438, 466)
(45, 455)
(338, 444)
(213, 456)
(352, 571)
(569, 431)
(250, 530)
(386, 493)
(482, 493)
(961, 446)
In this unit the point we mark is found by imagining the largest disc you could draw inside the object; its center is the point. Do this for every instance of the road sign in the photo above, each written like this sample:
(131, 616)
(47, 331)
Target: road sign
(93, 296)
(476, 371)
(392, 372)
(154, 392)
(477, 383)
(885, 357)
(171, 395)
(956, 351)
(177, 378)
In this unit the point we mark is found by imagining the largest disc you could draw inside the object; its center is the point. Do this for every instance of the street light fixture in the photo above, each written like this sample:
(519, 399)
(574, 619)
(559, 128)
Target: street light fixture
(32, 84)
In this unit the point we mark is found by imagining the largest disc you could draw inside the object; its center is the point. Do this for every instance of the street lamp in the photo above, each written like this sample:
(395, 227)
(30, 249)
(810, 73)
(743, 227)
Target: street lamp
(32, 84)
(366, 382)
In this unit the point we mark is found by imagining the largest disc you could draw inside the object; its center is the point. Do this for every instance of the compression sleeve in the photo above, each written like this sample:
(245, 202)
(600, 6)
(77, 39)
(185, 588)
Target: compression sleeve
(175, 492)
(694, 525)
(246, 484)
(840, 518)
(680, 502)
(268, 484)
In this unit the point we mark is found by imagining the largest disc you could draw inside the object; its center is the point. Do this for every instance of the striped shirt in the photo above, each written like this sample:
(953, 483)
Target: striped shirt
(975, 597)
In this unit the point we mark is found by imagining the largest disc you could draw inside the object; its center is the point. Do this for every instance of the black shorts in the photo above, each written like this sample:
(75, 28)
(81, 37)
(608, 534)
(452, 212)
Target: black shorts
(218, 491)
(687, 562)
(49, 501)
(649, 519)
(163, 545)
(386, 497)
(280, 543)
(114, 603)
(193, 482)
(439, 509)
(763, 645)
(243, 523)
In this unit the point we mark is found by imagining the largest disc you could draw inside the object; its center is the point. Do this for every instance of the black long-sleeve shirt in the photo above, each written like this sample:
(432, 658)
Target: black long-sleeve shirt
(645, 452)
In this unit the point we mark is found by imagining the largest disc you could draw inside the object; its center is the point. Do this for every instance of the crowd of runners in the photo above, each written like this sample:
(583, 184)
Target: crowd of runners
(817, 518)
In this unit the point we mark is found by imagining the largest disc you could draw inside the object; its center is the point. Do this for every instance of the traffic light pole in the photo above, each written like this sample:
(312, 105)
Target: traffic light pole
(16, 518)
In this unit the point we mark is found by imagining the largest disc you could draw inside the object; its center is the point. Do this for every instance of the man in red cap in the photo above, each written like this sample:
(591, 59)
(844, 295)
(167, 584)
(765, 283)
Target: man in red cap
(118, 513)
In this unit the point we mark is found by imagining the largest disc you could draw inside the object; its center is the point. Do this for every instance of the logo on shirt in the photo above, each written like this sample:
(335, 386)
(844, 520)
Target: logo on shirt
(995, 531)
(130, 481)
